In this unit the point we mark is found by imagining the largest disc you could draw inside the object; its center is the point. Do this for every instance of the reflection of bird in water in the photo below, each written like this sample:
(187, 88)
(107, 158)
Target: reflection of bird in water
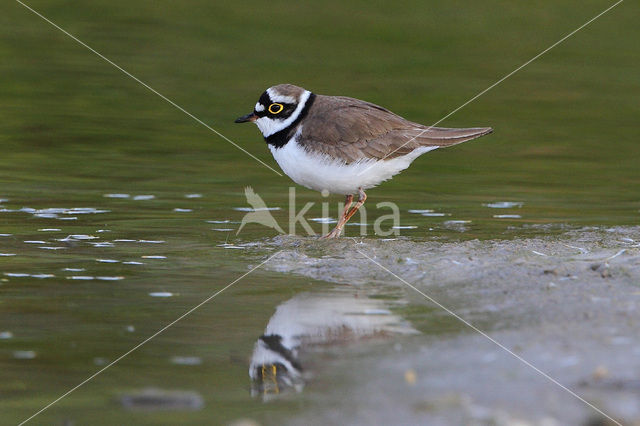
(313, 319)
(260, 213)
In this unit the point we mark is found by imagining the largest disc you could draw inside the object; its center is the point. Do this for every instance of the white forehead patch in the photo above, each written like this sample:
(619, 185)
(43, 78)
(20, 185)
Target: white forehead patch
(276, 97)
(259, 107)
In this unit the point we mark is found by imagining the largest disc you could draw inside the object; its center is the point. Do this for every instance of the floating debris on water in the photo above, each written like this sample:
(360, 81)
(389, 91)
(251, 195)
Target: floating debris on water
(193, 196)
(179, 210)
(6, 335)
(161, 294)
(144, 197)
(24, 354)
(152, 399)
(154, 257)
(186, 360)
(507, 216)
(117, 195)
(504, 204)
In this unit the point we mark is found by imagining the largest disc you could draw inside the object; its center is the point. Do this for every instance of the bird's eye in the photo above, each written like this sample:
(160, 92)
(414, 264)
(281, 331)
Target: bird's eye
(275, 108)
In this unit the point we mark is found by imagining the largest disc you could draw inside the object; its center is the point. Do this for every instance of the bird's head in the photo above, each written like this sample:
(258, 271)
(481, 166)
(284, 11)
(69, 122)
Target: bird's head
(278, 107)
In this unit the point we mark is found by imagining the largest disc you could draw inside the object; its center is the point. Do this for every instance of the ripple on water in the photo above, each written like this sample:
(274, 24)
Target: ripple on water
(144, 197)
(49, 229)
(179, 210)
(24, 354)
(154, 257)
(193, 196)
(5, 235)
(6, 335)
(119, 278)
(504, 204)
(153, 399)
(223, 229)
(161, 294)
(116, 195)
(7, 254)
(74, 269)
(229, 246)
(186, 360)
(107, 260)
(78, 237)
(131, 262)
(507, 216)
(251, 209)
(323, 220)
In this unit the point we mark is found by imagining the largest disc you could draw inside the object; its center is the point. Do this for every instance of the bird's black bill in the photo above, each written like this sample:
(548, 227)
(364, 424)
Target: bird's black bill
(246, 118)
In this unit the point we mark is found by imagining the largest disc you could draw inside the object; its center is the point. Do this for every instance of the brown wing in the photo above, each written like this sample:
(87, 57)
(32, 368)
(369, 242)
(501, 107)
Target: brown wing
(354, 130)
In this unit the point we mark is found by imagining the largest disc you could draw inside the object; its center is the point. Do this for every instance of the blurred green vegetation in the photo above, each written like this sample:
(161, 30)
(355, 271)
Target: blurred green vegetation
(73, 127)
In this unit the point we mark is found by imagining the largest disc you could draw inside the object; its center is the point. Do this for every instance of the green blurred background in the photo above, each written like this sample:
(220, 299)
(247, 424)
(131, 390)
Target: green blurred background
(72, 127)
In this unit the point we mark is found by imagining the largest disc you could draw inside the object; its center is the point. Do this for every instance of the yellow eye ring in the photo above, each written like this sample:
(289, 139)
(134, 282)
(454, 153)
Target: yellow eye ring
(276, 108)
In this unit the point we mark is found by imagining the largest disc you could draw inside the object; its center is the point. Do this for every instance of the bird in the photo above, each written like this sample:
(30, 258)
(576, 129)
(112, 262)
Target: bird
(343, 145)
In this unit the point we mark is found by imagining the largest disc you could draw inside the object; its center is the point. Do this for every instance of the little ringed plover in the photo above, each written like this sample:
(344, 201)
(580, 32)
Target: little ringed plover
(343, 145)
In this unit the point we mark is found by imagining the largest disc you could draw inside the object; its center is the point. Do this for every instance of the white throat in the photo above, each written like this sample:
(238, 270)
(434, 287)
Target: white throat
(268, 126)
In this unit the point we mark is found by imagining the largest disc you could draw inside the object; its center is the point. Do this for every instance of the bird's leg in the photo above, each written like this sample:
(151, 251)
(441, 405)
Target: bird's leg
(343, 218)
(362, 197)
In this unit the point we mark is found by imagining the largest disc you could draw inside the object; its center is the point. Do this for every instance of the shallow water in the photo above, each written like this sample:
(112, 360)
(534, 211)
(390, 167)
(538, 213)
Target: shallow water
(118, 214)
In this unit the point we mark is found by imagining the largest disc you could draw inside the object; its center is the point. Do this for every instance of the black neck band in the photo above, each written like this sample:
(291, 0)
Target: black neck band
(280, 138)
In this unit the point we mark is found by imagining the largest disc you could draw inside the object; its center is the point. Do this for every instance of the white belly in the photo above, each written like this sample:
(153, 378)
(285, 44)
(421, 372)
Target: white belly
(320, 172)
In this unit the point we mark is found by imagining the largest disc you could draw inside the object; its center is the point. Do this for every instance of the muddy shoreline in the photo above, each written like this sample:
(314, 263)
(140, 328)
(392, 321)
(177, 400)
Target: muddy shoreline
(568, 304)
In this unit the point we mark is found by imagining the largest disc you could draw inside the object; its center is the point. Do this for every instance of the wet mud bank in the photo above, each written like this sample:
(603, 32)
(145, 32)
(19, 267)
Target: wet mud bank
(567, 305)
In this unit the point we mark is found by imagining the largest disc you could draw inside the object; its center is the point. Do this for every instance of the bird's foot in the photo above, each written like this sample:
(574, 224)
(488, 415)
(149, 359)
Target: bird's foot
(333, 234)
